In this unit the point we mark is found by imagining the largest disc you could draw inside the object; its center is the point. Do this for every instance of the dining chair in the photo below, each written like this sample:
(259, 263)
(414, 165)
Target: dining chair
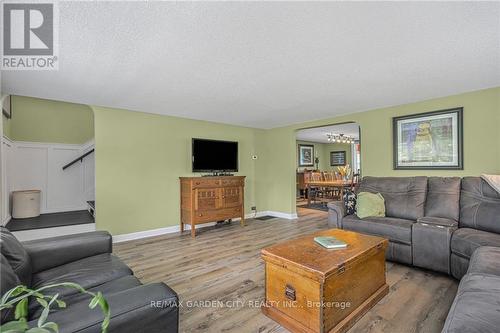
(316, 191)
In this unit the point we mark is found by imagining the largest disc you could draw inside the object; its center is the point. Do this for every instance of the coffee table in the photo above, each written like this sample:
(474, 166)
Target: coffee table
(313, 289)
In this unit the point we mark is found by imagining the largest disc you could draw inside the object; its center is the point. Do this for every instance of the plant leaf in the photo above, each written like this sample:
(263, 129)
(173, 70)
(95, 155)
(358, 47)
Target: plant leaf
(42, 302)
(21, 309)
(95, 300)
(53, 326)
(38, 330)
(107, 313)
(61, 304)
(12, 293)
(14, 326)
(43, 316)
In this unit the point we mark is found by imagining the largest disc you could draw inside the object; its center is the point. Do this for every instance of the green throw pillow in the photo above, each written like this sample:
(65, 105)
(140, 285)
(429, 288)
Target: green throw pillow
(370, 204)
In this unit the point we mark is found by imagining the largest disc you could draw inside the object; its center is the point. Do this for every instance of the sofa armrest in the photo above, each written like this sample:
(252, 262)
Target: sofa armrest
(147, 308)
(438, 221)
(336, 212)
(55, 251)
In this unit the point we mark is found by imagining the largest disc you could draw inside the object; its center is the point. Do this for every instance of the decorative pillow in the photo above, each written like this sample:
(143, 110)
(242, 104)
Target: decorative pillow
(370, 204)
(349, 202)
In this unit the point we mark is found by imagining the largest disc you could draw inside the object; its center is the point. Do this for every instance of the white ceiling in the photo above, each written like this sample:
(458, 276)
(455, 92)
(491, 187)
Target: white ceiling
(267, 64)
(318, 134)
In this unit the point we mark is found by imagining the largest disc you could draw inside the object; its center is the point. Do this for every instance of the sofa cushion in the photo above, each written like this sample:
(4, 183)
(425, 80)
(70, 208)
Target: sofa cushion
(465, 241)
(485, 260)
(16, 255)
(370, 205)
(443, 197)
(88, 272)
(110, 287)
(404, 196)
(396, 230)
(8, 280)
(476, 306)
(479, 205)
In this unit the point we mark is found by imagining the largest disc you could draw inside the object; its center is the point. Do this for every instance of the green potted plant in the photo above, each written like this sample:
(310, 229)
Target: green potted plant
(18, 297)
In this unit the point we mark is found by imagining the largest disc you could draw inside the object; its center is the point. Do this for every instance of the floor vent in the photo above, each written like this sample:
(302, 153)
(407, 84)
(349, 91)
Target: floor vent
(265, 217)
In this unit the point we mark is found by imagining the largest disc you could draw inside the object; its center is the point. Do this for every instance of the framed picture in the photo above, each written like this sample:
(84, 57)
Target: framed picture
(6, 110)
(432, 140)
(306, 155)
(337, 158)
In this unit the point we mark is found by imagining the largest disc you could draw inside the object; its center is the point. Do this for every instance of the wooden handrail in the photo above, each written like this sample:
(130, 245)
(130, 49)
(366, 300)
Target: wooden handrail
(78, 159)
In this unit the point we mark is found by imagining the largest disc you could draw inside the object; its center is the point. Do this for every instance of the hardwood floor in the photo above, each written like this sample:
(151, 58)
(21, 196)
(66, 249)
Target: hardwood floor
(223, 266)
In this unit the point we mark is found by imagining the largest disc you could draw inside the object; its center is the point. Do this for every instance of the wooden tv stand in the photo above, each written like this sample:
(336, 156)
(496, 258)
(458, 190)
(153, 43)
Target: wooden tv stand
(211, 199)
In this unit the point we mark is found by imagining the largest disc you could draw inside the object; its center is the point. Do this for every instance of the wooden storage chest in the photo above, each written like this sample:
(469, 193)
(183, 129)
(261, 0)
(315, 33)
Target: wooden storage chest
(313, 289)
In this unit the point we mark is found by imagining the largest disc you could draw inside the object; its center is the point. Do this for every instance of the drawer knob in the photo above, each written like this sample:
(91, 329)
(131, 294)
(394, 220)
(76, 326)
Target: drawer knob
(200, 214)
(290, 292)
(197, 183)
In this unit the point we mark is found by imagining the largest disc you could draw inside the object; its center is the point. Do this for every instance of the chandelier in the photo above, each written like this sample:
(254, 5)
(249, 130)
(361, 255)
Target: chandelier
(340, 138)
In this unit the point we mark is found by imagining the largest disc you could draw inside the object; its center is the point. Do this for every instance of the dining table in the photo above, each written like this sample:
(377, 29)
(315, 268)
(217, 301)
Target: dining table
(333, 184)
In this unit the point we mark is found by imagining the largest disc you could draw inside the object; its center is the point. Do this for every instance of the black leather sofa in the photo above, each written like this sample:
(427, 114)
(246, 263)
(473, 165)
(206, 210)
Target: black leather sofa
(86, 259)
(446, 224)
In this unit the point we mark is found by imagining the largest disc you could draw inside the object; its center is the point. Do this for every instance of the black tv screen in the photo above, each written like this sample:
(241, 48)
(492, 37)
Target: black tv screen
(214, 155)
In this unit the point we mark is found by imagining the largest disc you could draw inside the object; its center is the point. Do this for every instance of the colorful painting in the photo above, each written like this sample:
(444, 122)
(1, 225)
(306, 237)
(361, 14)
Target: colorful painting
(306, 155)
(430, 140)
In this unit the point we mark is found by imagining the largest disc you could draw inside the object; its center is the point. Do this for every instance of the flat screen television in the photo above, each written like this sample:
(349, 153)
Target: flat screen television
(214, 155)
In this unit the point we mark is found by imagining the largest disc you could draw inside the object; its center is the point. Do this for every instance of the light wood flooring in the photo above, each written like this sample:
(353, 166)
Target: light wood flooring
(222, 264)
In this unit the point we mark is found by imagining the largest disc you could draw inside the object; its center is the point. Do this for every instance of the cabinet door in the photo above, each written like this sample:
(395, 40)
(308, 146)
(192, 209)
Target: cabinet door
(232, 196)
(207, 198)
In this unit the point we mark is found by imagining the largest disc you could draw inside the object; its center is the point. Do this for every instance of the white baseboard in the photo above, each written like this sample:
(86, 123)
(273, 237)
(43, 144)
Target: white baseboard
(26, 235)
(288, 216)
(176, 228)
(156, 232)
(64, 209)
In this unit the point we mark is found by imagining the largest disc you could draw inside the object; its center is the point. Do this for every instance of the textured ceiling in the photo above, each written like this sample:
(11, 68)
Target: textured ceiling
(318, 134)
(267, 64)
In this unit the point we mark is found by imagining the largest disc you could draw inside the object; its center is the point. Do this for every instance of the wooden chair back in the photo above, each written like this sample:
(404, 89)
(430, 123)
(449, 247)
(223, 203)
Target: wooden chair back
(329, 176)
(316, 177)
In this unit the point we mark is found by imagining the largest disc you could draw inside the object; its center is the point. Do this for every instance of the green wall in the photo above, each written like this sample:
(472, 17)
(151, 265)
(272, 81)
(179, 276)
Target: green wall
(329, 147)
(139, 158)
(42, 120)
(322, 151)
(481, 143)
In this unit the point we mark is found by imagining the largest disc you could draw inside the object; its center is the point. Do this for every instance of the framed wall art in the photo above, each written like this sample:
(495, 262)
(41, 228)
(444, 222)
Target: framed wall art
(431, 140)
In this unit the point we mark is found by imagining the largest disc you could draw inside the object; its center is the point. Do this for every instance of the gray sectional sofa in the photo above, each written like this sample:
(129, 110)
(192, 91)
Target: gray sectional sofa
(446, 224)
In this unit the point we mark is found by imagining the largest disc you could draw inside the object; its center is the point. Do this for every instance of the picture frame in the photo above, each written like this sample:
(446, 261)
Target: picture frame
(6, 107)
(306, 155)
(338, 158)
(429, 140)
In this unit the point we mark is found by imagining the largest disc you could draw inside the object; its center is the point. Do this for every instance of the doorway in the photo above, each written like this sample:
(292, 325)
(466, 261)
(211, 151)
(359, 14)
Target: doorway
(330, 154)
(48, 155)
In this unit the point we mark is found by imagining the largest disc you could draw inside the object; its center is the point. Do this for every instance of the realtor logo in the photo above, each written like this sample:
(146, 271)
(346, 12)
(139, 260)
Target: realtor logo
(29, 36)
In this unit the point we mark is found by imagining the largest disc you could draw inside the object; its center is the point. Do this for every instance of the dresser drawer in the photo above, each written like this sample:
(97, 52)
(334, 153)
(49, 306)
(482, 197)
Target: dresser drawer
(216, 215)
(201, 183)
(232, 182)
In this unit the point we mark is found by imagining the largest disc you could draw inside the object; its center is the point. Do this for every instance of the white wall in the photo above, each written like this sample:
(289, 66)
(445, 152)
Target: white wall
(5, 152)
(39, 166)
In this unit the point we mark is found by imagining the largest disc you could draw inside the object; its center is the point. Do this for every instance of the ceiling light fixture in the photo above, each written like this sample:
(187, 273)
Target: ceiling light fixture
(339, 138)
